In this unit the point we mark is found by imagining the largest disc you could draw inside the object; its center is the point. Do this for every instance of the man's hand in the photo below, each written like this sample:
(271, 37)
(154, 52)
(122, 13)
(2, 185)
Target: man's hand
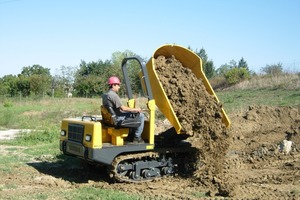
(137, 109)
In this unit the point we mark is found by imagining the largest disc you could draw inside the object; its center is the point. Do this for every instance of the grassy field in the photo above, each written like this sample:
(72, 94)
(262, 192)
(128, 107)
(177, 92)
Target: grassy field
(43, 117)
(238, 100)
(46, 114)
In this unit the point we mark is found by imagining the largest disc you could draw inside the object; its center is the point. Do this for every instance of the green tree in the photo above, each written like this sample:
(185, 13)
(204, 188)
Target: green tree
(8, 85)
(207, 65)
(39, 85)
(88, 86)
(90, 78)
(96, 68)
(24, 85)
(34, 79)
(243, 64)
(35, 70)
(209, 69)
(202, 54)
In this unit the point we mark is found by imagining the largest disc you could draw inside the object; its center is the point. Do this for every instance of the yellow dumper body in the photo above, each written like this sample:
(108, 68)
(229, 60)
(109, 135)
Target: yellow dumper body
(189, 60)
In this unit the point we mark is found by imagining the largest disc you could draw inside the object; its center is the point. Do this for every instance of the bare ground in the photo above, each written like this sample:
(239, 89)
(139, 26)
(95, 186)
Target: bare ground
(244, 161)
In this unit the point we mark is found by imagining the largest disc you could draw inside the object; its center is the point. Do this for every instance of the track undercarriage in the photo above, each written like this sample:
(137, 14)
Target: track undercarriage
(142, 167)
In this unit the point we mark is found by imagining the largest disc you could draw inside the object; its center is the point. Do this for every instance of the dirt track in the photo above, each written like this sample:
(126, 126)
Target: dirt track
(243, 162)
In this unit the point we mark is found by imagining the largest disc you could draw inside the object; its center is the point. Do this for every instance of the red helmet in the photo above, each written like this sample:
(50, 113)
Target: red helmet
(113, 80)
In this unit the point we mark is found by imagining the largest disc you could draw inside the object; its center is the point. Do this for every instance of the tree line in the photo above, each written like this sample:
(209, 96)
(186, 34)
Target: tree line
(90, 79)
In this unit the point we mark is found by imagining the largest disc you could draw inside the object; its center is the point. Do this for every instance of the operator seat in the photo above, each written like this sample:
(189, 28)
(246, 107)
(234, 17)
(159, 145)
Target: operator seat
(110, 118)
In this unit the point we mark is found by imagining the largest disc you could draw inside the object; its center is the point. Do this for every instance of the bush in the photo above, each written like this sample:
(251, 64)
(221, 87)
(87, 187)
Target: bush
(218, 82)
(236, 75)
(7, 117)
(8, 104)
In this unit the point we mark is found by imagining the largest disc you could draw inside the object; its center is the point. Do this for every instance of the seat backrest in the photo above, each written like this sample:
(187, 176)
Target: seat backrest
(107, 117)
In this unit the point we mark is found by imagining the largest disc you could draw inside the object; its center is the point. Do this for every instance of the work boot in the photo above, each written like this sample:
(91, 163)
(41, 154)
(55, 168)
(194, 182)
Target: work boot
(138, 140)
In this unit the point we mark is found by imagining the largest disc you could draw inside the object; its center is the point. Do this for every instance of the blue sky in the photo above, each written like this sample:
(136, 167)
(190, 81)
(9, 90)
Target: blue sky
(53, 33)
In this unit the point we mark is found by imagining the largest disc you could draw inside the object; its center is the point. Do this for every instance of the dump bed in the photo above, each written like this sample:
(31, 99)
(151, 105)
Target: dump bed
(189, 60)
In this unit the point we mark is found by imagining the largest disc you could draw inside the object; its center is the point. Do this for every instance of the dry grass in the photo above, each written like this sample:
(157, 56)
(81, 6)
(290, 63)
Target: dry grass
(284, 81)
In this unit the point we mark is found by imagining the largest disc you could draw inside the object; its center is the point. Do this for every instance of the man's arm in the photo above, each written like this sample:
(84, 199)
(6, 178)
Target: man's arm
(127, 109)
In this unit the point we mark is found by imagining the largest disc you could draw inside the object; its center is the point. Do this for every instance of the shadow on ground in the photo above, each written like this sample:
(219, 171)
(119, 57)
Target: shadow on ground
(72, 169)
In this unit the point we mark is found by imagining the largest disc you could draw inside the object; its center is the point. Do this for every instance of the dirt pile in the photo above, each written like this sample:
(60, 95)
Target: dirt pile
(255, 163)
(200, 115)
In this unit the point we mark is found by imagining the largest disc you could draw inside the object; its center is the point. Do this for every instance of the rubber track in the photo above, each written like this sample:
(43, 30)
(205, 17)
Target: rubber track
(112, 170)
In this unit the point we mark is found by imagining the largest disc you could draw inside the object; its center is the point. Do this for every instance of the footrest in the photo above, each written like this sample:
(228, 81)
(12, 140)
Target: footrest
(117, 135)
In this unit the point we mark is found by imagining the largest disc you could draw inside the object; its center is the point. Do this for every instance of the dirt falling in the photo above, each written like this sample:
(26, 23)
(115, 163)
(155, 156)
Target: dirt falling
(200, 115)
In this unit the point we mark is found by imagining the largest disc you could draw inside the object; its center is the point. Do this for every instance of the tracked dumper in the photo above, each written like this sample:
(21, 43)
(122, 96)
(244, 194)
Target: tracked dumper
(92, 139)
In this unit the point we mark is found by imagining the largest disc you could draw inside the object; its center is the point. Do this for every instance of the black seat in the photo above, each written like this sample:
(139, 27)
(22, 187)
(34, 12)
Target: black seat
(110, 118)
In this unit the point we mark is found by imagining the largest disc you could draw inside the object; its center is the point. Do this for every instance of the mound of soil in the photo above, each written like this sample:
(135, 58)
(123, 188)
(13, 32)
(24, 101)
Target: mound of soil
(255, 164)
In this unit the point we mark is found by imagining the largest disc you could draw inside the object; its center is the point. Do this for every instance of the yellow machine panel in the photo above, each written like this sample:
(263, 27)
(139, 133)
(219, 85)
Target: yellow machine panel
(92, 130)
